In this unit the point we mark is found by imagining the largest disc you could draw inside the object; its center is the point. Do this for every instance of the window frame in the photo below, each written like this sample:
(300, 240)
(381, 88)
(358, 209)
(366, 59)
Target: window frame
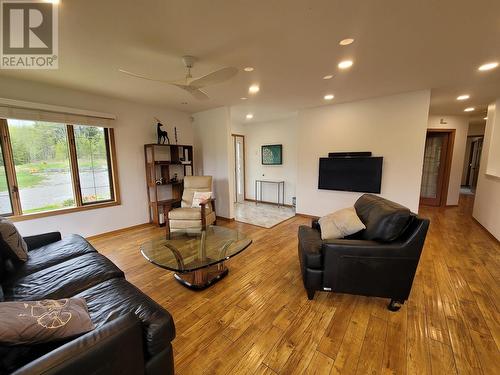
(17, 213)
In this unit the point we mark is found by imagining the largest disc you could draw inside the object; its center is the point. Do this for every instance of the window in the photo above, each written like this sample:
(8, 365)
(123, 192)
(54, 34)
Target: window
(48, 166)
(92, 150)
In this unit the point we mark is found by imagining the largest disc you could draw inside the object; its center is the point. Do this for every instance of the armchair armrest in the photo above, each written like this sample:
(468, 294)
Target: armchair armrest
(365, 248)
(114, 348)
(39, 240)
(203, 205)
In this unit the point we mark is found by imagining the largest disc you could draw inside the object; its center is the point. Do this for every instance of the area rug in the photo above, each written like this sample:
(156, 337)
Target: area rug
(262, 214)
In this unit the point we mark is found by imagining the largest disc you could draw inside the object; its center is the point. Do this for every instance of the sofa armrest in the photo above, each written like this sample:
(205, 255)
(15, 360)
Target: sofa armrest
(39, 240)
(114, 348)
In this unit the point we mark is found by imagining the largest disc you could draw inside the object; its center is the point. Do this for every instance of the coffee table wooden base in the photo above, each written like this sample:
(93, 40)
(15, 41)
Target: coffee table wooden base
(202, 278)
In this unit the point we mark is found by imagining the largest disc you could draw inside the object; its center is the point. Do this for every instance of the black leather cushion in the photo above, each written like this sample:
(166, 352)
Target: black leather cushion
(384, 220)
(62, 280)
(310, 247)
(54, 253)
(119, 297)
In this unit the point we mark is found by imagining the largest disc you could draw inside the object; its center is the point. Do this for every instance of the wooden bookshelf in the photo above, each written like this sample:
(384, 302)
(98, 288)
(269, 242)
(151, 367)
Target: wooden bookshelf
(163, 163)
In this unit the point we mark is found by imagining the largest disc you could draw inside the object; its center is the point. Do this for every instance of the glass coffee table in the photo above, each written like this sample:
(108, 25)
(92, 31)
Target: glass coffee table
(197, 257)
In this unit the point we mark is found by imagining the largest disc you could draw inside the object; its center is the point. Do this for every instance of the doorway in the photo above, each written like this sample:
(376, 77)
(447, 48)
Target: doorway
(437, 165)
(239, 167)
(473, 155)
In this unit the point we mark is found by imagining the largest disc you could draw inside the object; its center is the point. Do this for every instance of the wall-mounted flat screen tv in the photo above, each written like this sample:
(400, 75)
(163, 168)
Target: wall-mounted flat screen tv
(359, 174)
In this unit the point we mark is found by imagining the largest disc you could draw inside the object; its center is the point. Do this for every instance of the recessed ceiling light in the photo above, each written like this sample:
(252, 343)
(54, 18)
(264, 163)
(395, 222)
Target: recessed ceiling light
(329, 76)
(254, 89)
(249, 116)
(52, 1)
(328, 96)
(488, 66)
(469, 109)
(346, 42)
(243, 98)
(463, 97)
(248, 69)
(346, 64)
(486, 118)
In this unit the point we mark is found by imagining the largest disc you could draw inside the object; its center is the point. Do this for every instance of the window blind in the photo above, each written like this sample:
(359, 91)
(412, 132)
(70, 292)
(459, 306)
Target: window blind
(22, 110)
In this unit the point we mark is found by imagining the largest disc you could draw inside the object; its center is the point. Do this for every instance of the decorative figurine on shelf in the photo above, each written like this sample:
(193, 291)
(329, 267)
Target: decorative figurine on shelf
(162, 135)
(174, 179)
(160, 181)
(175, 134)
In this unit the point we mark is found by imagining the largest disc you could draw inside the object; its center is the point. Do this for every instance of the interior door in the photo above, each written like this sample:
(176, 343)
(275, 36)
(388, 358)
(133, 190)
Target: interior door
(476, 147)
(433, 175)
(239, 163)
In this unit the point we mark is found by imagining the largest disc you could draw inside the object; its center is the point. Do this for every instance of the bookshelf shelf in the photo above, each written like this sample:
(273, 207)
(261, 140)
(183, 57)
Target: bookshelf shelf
(166, 167)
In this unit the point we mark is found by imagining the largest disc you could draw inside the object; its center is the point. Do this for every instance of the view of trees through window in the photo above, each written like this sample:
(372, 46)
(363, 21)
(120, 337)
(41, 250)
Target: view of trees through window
(92, 156)
(41, 159)
(43, 168)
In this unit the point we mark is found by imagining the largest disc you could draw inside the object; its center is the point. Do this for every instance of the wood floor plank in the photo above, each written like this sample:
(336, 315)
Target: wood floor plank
(258, 319)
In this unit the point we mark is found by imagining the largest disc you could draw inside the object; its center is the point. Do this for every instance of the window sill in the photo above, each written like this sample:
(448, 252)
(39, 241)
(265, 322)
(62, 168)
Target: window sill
(63, 211)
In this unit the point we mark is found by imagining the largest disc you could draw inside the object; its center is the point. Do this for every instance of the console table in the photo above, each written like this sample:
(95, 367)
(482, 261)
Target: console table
(280, 185)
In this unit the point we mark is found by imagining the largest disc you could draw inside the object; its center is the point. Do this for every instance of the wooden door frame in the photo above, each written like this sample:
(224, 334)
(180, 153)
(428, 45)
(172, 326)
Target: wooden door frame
(234, 135)
(447, 167)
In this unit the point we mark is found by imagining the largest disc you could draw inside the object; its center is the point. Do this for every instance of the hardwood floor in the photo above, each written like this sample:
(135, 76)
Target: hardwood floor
(258, 319)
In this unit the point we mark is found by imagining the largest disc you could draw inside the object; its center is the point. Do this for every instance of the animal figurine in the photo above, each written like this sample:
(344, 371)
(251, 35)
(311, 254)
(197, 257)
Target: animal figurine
(162, 135)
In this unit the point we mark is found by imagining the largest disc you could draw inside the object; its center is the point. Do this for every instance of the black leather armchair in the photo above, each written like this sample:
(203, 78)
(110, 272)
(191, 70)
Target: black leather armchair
(380, 261)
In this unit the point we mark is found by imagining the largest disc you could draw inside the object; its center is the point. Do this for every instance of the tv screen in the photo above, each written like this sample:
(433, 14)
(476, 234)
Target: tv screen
(360, 174)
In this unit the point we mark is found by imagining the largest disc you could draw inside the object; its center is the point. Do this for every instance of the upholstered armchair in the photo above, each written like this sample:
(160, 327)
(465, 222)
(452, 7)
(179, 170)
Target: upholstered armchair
(187, 217)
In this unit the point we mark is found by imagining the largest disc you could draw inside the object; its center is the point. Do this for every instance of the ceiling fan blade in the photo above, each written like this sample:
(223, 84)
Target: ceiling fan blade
(142, 76)
(213, 78)
(195, 92)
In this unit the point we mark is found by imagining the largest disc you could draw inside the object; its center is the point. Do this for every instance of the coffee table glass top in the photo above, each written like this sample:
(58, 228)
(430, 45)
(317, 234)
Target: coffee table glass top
(187, 251)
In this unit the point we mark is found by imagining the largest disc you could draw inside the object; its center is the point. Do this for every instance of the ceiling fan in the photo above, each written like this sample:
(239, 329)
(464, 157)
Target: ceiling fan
(193, 85)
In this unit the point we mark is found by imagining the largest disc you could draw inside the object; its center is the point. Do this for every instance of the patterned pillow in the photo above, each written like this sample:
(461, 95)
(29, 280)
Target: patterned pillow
(14, 242)
(200, 196)
(31, 322)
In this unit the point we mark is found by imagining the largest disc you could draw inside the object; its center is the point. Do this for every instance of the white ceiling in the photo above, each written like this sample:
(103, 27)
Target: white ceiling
(399, 46)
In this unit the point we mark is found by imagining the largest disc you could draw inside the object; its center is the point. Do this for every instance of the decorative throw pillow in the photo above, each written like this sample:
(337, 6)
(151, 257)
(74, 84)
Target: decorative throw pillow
(340, 224)
(31, 322)
(200, 196)
(16, 246)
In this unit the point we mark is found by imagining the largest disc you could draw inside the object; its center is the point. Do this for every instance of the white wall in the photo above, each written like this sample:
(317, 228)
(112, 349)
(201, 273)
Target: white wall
(275, 132)
(134, 127)
(212, 153)
(461, 126)
(393, 127)
(487, 201)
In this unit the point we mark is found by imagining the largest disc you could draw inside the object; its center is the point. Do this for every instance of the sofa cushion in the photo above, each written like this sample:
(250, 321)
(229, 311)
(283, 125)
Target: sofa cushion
(117, 297)
(62, 280)
(384, 220)
(185, 213)
(57, 252)
(11, 241)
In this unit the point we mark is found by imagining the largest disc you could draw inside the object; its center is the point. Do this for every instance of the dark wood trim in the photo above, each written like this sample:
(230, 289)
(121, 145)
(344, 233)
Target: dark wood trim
(446, 171)
(75, 174)
(224, 218)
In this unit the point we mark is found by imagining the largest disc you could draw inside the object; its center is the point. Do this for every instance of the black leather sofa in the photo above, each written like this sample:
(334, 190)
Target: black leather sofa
(133, 333)
(379, 261)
